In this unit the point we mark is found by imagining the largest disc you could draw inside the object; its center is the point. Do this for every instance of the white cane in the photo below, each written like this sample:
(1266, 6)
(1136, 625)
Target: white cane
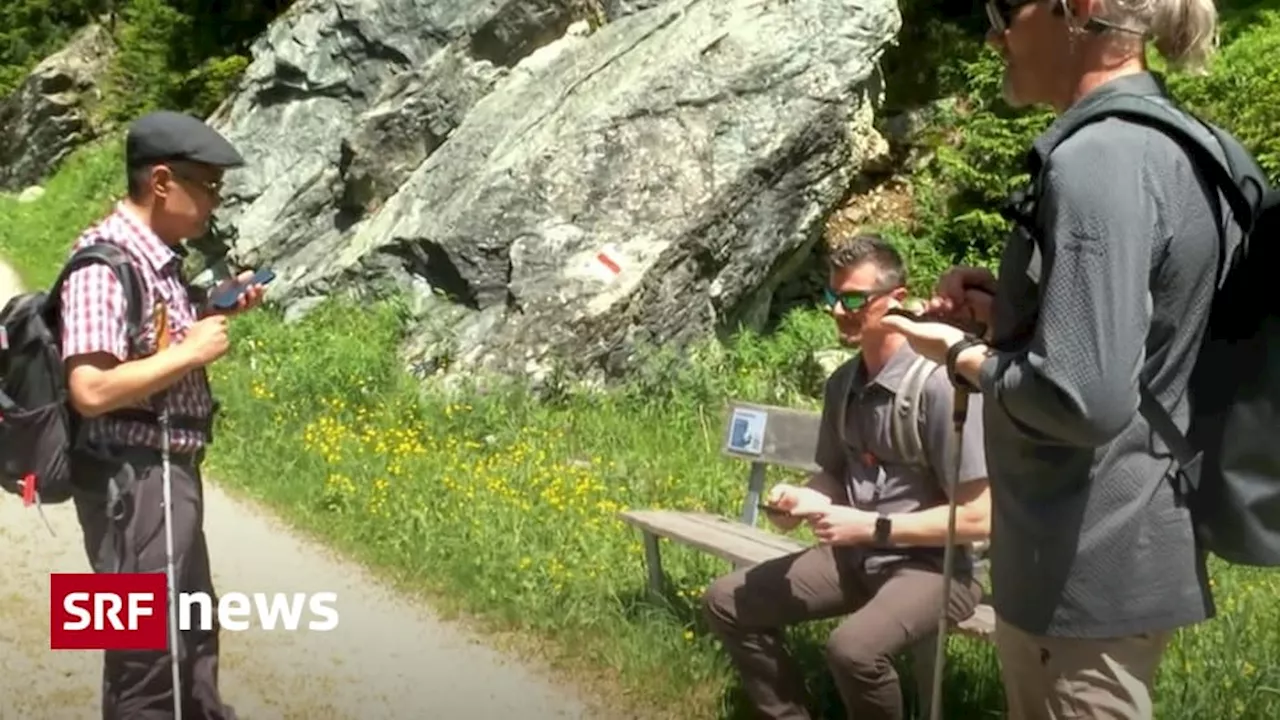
(960, 411)
(162, 342)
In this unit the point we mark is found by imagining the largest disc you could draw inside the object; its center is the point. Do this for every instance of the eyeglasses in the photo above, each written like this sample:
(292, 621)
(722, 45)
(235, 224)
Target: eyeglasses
(214, 187)
(1000, 12)
(851, 300)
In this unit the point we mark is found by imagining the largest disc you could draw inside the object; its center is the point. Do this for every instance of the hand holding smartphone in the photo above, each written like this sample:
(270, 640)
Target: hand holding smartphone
(227, 299)
(802, 502)
(771, 510)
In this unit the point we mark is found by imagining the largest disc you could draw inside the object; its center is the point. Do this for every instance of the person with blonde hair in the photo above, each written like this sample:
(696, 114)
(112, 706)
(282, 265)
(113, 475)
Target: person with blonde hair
(1100, 306)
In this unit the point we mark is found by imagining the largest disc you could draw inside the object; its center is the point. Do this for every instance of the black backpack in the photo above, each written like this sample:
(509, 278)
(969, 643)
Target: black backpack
(1230, 456)
(38, 427)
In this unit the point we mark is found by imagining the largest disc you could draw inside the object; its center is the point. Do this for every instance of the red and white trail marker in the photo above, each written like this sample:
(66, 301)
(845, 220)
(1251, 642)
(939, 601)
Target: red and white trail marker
(607, 264)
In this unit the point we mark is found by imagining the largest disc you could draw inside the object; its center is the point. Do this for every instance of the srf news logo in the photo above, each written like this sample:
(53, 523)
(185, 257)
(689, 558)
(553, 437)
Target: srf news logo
(130, 611)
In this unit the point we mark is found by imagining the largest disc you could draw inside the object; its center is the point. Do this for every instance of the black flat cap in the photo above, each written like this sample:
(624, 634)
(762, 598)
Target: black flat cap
(167, 135)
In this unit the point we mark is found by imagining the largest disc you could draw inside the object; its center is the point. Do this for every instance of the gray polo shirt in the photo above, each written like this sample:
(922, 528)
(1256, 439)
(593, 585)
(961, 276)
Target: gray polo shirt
(876, 476)
(1087, 540)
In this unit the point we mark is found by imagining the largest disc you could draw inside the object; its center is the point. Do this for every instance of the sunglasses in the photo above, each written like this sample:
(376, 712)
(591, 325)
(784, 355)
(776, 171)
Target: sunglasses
(1000, 12)
(1000, 15)
(851, 300)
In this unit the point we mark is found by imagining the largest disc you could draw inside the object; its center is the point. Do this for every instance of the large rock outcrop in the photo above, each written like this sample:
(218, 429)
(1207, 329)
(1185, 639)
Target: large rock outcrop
(51, 113)
(551, 195)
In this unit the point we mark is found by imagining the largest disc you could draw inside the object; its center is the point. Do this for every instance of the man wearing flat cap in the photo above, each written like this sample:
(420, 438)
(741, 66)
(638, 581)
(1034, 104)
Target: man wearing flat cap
(118, 388)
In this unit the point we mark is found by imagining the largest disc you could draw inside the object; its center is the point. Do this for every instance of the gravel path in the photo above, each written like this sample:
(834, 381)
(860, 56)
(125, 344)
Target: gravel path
(387, 660)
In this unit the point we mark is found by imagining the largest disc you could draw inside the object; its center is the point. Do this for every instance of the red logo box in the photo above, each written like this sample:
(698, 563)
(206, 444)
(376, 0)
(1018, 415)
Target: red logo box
(124, 611)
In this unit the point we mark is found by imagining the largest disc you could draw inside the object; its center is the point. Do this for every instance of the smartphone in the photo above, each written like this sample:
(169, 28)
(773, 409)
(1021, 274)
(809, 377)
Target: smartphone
(228, 298)
(904, 313)
(771, 510)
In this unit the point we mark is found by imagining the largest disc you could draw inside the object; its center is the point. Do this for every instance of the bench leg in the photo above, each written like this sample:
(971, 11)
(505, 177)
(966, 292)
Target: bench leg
(653, 560)
(922, 658)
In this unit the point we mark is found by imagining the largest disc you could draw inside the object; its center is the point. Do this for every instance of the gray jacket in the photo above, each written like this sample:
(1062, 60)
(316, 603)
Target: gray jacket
(1088, 539)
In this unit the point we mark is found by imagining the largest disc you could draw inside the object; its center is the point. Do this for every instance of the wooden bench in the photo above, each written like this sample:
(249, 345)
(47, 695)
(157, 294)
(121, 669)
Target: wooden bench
(768, 435)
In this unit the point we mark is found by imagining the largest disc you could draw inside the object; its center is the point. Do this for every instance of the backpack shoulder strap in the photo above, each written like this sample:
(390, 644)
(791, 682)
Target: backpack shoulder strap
(844, 374)
(904, 422)
(118, 260)
(1238, 177)
(1232, 175)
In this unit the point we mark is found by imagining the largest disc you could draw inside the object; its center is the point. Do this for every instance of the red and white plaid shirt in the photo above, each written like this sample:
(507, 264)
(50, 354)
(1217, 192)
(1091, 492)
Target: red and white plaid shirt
(93, 321)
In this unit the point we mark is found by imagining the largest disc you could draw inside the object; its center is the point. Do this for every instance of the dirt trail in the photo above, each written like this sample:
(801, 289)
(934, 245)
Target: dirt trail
(387, 659)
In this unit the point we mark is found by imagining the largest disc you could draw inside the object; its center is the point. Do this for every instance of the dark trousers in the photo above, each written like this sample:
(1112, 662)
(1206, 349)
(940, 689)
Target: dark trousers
(126, 534)
(887, 612)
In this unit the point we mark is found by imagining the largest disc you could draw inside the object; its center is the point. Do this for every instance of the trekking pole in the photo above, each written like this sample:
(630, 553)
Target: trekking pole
(959, 412)
(162, 342)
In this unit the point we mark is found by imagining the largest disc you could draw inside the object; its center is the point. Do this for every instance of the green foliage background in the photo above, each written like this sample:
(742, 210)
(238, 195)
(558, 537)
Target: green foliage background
(979, 142)
(182, 54)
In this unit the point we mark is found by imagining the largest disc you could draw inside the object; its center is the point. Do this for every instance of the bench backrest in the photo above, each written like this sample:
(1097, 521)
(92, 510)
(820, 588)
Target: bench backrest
(769, 435)
(773, 435)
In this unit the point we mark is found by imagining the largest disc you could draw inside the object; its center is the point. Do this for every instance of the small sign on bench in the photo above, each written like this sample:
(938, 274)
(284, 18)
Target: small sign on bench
(771, 435)
(746, 430)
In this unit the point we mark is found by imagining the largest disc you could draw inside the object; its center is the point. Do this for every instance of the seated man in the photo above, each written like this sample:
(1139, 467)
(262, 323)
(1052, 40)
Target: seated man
(881, 522)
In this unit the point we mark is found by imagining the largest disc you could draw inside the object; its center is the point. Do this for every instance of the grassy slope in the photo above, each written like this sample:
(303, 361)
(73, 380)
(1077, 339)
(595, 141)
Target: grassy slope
(505, 509)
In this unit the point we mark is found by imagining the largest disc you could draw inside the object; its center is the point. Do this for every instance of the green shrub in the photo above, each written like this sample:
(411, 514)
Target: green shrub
(36, 237)
(1243, 92)
(140, 78)
(33, 29)
(176, 54)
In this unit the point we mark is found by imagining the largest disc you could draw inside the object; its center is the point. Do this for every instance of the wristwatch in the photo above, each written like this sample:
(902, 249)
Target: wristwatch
(884, 526)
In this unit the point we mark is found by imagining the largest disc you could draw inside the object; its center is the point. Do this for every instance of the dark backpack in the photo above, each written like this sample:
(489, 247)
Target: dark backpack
(38, 427)
(1230, 456)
